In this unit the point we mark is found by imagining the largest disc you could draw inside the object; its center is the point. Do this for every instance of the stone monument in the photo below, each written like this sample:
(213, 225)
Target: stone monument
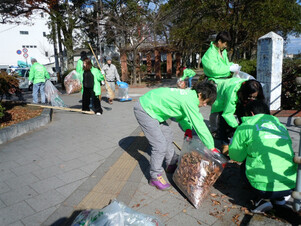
(269, 67)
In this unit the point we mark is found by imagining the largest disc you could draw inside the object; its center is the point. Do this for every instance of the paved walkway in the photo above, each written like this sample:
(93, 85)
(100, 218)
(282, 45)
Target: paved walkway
(82, 161)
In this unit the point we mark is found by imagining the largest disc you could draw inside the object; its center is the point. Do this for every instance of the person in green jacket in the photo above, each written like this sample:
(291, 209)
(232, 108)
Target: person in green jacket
(80, 63)
(90, 78)
(157, 106)
(264, 145)
(188, 73)
(232, 96)
(38, 75)
(215, 61)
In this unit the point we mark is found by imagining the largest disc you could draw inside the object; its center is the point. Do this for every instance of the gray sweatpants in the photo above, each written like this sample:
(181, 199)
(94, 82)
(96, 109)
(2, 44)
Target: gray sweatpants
(159, 136)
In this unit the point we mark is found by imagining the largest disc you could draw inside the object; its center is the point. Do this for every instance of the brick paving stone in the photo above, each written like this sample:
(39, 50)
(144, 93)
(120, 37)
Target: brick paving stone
(37, 219)
(20, 181)
(14, 213)
(68, 189)
(17, 195)
(43, 186)
(46, 200)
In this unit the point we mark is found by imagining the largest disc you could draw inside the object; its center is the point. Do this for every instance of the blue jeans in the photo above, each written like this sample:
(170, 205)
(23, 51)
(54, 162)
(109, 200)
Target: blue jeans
(36, 87)
(190, 81)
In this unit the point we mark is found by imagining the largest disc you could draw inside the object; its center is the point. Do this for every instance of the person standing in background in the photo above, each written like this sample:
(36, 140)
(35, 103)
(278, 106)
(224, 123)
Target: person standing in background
(111, 75)
(91, 88)
(38, 75)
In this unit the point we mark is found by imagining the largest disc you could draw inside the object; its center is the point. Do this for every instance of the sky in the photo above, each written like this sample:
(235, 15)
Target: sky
(294, 45)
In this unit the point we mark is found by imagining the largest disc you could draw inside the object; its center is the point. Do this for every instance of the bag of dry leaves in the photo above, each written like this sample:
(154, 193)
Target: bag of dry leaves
(197, 170)
(72, 83)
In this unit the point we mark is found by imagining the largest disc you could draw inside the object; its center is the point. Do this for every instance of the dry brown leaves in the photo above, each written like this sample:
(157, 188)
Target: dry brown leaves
(20, 114)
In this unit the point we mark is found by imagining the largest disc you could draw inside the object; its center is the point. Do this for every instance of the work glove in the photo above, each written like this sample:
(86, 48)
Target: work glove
(188, 135)
(215, 150)
(29, 83)
(103, 83)
(234, 68)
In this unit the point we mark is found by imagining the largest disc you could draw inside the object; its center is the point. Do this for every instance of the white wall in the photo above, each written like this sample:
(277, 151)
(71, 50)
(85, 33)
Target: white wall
(11, 40)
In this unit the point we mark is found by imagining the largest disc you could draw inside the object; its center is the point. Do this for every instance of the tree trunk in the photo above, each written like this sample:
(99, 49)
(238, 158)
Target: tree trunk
(158, 65)
(124, 66)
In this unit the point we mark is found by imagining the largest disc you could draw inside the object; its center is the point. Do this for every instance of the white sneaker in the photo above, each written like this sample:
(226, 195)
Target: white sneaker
(98, 113)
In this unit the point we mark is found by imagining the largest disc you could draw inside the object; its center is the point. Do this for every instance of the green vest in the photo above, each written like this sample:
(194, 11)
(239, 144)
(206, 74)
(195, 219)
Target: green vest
(266, 146)
(181, 104)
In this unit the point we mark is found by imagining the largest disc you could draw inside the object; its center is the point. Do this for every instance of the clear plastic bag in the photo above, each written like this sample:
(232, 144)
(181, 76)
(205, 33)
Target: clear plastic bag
(197, 170)
(123, 91)
(72, 83)
(52, 95)
(116, 213)
(243, 75)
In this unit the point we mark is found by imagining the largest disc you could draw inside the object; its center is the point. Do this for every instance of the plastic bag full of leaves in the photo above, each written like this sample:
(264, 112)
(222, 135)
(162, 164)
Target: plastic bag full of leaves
(197, 170)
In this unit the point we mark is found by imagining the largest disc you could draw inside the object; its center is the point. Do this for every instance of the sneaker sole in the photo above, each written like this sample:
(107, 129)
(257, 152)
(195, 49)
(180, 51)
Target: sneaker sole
(168, 188)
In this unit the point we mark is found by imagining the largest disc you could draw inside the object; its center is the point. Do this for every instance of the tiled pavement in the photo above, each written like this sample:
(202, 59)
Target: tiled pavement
(82, 161)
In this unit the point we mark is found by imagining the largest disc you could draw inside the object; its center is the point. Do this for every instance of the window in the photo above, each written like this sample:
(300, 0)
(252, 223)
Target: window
(34, 46)
(42, 15)
(31, 47)
(23, 46)
(46, 54)
(44, 34)
(24, 32)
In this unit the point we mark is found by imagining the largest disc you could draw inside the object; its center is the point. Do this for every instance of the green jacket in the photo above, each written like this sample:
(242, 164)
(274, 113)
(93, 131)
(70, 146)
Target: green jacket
(98, 77)
(227, 99)
(266, 146)
(188, 73)
(181, 104)
(214, 65)
(79, 66)
(38, 73)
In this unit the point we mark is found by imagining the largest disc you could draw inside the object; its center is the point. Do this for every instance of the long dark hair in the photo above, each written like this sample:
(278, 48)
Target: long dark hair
(249, 87)
(88, 64)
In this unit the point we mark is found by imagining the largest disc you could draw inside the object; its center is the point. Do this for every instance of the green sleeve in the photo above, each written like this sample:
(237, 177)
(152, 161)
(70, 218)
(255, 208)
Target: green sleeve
(238, 147)
(229, 110)
(31, 74)
(213, 66)
(46, 74)
(197, 121)
(185, 124)
(79, 66)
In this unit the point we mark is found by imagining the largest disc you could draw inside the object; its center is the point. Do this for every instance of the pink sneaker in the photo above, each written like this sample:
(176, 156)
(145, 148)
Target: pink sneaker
(159, 183)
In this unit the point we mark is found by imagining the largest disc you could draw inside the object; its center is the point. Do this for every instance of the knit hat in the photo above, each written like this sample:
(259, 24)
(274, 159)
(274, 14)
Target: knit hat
(108, 58)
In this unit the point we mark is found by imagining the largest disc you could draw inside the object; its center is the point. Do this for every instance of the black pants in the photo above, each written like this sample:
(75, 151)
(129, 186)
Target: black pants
(87, 94)
(258, 194)
(225, 131)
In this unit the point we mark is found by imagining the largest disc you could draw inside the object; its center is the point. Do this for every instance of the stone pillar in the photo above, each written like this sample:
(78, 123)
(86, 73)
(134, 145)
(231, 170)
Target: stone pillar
(158, 65)
(124, 67)
(169, 65)
(149, 62)
(178, 65)
(269, 67)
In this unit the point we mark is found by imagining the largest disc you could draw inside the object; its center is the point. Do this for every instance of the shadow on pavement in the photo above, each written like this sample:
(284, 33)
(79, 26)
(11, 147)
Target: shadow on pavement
(141, 144)
(66, 221)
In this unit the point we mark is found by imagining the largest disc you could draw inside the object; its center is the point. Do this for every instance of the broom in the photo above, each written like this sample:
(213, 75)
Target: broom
(110, 91)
